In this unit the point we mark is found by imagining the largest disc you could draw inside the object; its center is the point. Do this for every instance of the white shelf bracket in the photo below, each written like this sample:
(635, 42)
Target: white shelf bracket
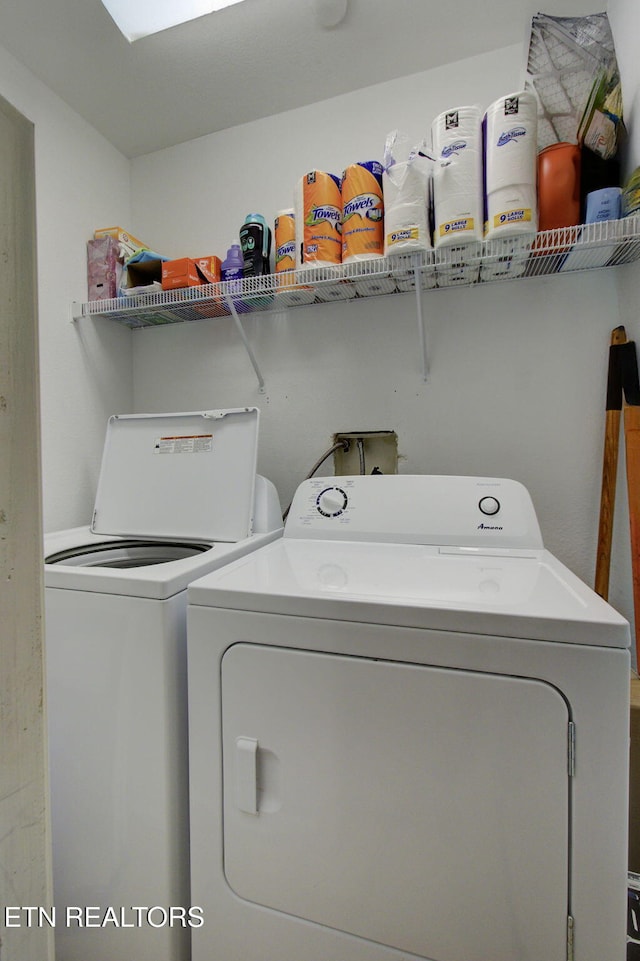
(420, 316)
(247, 346)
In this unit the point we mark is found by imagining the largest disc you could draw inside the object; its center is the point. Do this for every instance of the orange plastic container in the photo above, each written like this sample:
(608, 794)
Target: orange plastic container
(559, 186)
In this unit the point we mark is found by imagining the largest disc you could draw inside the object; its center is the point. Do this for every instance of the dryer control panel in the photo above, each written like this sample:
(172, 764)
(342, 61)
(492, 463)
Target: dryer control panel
(451, 512)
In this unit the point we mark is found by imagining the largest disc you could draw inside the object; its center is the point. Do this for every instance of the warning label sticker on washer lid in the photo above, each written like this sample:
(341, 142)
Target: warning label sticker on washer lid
(187, 444)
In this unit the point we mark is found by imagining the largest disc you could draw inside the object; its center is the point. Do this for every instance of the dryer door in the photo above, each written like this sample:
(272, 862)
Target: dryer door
(422, 808)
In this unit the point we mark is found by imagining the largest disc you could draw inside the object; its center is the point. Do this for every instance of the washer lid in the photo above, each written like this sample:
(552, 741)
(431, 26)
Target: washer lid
(182, 475)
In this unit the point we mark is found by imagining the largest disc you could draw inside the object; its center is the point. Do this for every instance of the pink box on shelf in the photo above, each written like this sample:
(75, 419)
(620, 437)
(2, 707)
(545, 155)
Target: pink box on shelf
(103, 268)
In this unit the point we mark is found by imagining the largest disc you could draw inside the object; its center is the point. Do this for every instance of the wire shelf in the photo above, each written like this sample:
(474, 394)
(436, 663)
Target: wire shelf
(569, 249)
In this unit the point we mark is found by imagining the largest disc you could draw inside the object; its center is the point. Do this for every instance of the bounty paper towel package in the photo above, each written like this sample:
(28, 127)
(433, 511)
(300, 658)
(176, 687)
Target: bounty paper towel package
(510, 155)
(318, 220)
(457, 176)
(406, 186)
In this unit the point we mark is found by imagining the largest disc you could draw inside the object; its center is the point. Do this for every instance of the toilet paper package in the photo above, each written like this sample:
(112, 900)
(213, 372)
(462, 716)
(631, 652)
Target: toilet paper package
(510, 157)
(406, 186)
(457, 176)
(318, 219)
(362, 212)
(340, 290)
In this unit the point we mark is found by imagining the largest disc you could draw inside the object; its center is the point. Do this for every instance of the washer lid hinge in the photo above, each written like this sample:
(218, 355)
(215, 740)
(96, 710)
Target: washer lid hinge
(571, 749)
(570, 927)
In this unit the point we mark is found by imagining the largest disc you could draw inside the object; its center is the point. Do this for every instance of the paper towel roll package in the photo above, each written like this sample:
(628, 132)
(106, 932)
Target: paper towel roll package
(318, 216)
(406, 188)
(510, 155)
(457, 176)
(285, 240)
(362, 212)
(288, 293)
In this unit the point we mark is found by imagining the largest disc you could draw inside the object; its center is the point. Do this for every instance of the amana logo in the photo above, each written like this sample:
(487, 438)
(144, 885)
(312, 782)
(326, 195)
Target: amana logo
(489, 527)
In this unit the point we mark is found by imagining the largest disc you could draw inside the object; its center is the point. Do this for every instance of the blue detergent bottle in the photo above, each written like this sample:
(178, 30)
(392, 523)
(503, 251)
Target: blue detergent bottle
(255, 240)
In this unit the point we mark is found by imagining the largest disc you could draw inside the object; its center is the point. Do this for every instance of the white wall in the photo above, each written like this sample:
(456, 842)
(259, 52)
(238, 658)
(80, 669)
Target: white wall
(82, 183)
(624, 17)
(516, 388)
(518, 370)
(191, 199)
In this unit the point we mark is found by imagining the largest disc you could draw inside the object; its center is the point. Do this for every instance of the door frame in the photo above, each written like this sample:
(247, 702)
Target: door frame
(25, 851)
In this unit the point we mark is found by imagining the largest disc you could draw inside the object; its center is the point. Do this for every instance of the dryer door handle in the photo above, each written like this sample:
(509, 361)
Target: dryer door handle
(247, 774)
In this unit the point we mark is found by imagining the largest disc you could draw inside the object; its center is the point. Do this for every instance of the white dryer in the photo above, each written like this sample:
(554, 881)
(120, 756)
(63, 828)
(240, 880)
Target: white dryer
(408, 736)
(178, 496)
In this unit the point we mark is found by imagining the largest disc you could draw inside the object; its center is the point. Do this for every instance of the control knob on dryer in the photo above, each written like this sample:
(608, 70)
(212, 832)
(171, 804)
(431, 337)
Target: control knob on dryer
(331, 501)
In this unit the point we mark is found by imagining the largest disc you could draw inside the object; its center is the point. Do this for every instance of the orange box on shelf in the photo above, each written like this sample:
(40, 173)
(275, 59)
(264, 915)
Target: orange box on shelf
(182, 272)
(186, 272)
(211, 267)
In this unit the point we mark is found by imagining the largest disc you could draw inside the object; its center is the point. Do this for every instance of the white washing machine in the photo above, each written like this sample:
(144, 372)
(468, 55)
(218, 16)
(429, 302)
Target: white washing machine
(178, 496)
(408, 730)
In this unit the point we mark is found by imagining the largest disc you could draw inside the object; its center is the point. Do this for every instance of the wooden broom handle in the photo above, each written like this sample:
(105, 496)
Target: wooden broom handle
(608, 490)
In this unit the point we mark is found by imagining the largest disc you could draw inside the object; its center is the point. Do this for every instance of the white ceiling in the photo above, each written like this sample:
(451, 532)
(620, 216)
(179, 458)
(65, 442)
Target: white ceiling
(251, 60)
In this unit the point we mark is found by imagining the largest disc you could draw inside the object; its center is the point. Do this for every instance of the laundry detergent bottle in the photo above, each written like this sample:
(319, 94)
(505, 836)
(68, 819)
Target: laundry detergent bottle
(233, 264)
(255, 240)
(558, 186)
